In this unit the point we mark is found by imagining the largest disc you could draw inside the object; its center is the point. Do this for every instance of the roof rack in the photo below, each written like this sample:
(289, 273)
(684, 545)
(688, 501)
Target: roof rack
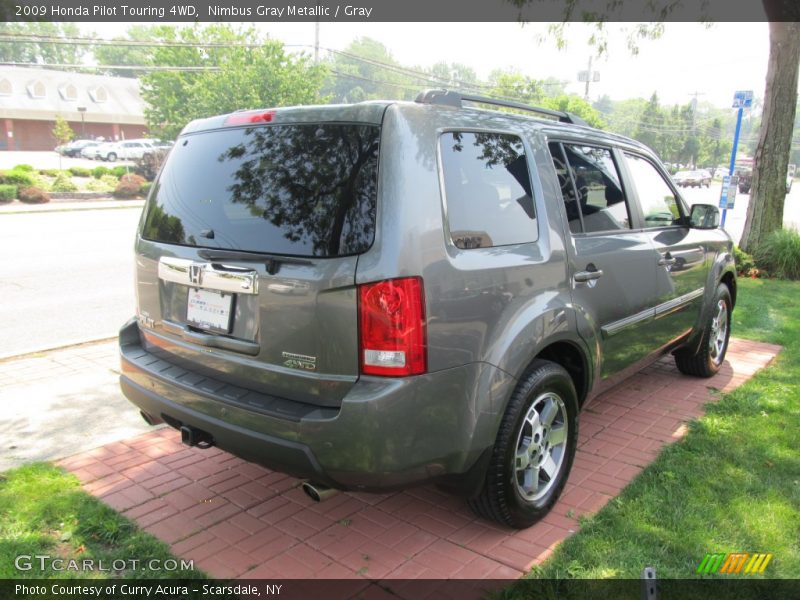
(456, 99)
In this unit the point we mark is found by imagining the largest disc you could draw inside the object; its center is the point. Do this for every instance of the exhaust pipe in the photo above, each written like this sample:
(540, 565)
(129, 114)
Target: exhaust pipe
(318, 492)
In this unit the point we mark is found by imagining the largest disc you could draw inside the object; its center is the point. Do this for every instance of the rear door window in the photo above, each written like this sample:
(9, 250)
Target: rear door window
(590, 186)
(302, 190)
(487, 189)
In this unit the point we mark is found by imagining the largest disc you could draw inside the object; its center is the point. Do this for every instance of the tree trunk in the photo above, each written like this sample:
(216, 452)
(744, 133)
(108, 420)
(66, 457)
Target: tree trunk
(768, 191)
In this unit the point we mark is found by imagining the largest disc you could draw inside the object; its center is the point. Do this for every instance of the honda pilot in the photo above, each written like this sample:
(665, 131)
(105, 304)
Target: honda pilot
(384, 294)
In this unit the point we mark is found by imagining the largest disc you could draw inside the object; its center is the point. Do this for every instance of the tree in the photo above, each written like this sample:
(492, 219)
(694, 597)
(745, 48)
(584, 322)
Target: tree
(39, 51)
(767, 195)
(242, 71)
(771, 158)
(128, 55)
(62, 131)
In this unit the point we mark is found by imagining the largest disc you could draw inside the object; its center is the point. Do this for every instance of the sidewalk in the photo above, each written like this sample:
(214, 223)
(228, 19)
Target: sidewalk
(239, 520)
(64, 205)
(57, 403)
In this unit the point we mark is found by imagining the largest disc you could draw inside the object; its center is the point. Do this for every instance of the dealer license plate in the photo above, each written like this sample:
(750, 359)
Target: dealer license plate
(210, 310)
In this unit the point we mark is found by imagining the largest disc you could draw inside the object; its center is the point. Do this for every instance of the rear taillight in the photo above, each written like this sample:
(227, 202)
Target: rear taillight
(392, 327)
(250, 117)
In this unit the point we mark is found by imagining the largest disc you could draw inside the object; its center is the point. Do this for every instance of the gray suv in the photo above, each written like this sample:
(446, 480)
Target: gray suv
(379, 295)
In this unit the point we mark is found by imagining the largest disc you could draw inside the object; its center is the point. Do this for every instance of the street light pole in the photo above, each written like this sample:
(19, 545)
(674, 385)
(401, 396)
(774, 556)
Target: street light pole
(82, 110)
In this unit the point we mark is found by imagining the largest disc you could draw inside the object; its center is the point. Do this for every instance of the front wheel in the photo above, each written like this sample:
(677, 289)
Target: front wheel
(535, 446)
(714, 343)
(111, 157)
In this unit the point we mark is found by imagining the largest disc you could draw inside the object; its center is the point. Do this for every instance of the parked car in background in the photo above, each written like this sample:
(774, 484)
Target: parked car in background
(73, 148)
(124, 150)
(745, 175)
(378, 295)
(88, 151)
(692, 178)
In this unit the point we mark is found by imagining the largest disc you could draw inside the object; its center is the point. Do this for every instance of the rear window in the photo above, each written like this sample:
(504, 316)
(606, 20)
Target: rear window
(302, 190)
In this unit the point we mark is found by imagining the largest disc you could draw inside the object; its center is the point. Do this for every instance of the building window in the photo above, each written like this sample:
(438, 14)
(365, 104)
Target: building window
(98, 94)
(68, 92)
(36, 89)
(5, 87)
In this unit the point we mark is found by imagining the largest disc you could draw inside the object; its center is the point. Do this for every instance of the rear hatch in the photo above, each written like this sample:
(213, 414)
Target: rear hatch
(248, 246)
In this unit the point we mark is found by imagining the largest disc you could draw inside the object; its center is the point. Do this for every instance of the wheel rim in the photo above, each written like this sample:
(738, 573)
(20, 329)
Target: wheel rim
(719, 332)
(541, 446)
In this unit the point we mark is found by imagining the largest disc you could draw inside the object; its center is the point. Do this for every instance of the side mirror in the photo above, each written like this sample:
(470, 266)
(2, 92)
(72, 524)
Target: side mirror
(704, 216)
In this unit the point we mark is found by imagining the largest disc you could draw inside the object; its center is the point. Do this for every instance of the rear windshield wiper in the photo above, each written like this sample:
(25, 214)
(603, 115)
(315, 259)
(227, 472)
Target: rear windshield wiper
(272, 262)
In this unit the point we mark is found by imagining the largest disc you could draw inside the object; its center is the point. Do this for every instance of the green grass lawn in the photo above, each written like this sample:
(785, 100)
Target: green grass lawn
(44, 512)
(731, 485)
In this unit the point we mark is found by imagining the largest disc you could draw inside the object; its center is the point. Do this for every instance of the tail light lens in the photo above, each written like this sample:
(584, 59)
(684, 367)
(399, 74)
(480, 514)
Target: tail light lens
(392, 327)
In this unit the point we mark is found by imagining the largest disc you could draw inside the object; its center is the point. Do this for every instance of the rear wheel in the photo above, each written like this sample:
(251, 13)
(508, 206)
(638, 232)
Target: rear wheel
(112, 156)
(535, 446)
(714, 343)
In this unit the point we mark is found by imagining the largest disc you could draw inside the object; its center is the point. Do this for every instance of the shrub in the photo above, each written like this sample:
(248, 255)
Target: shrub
(33, 195)
(98, 172)
(80, 171)
(64, 183)
(50, 172)
(24, 168)
(18, 178)
(133, 179)
(7, 192)
(144, 189)
(119, 171)
(779, 253)
(745, 264)
(110, 181)
(97, 185)
(126, 190)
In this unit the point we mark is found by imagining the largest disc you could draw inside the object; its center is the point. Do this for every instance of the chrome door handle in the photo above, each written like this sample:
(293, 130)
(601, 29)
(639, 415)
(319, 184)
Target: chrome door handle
(583, 276)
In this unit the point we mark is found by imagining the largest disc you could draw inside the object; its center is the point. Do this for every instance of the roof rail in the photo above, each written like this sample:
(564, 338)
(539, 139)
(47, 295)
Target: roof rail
(456, 99)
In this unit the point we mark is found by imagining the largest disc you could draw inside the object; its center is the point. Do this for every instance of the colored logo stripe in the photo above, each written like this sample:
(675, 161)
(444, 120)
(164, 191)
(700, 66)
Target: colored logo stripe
(734, 563)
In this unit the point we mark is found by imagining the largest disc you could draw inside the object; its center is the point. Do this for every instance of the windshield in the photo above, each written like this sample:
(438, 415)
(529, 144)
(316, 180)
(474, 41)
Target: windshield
(303, 190)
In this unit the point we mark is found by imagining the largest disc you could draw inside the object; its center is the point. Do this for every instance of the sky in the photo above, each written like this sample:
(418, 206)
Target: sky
(689, 58)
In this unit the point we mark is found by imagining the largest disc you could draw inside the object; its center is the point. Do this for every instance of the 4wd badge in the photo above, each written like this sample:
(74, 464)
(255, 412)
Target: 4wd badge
(299, 361)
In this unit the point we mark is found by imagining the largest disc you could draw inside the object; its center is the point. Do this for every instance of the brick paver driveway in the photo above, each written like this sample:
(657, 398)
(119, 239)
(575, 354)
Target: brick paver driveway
(235, 519)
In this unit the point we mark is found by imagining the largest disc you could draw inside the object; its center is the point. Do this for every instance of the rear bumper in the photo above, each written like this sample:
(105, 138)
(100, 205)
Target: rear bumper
(387, 433)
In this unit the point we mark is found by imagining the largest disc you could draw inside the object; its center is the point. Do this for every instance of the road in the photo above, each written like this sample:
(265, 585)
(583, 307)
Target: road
(65, 277)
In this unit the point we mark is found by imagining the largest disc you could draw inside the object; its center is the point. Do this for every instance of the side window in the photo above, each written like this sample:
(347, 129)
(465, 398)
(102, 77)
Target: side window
(591, 189)
(488, 190)
(659, 205)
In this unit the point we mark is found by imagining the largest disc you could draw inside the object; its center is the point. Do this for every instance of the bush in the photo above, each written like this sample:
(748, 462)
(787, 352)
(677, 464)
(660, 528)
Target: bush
(33, 195)
(745, 264)
(144, 189)
(780, 254)
(18, 178)
(64, 183)
(133, 179)
(50, 172)
(24, 168)
(80, 171)
(126, 190)
(97, 185)
(98, 172)
(7, 192)
(119, 171)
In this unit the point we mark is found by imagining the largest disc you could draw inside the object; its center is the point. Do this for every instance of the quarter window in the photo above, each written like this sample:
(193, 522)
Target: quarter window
(487, 189)
(590, 186)
(659, 205)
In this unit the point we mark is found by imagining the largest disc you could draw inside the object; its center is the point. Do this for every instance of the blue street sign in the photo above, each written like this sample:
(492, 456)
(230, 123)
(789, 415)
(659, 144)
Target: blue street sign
(743, 99)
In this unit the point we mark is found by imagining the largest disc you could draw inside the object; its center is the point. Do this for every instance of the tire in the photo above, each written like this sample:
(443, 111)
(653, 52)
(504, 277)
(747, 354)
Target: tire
(112, 156)
(510, 495)
(714, 342)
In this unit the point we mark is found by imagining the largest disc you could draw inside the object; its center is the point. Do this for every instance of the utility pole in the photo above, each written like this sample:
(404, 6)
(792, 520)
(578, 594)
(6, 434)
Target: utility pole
(694, 108)
(588, 76)
(316, 42)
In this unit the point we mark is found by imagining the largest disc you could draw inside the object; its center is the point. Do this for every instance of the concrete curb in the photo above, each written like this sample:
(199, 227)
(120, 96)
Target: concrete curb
(63, 206)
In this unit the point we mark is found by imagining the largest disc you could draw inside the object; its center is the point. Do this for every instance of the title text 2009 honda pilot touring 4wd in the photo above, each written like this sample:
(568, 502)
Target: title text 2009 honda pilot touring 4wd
(377, 295)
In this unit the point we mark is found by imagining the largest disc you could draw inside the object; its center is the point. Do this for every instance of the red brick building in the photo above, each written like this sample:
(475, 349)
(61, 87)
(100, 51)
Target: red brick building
(93, 105)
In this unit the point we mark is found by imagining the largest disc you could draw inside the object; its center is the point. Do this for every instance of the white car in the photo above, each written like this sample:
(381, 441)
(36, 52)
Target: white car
(126, 150)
